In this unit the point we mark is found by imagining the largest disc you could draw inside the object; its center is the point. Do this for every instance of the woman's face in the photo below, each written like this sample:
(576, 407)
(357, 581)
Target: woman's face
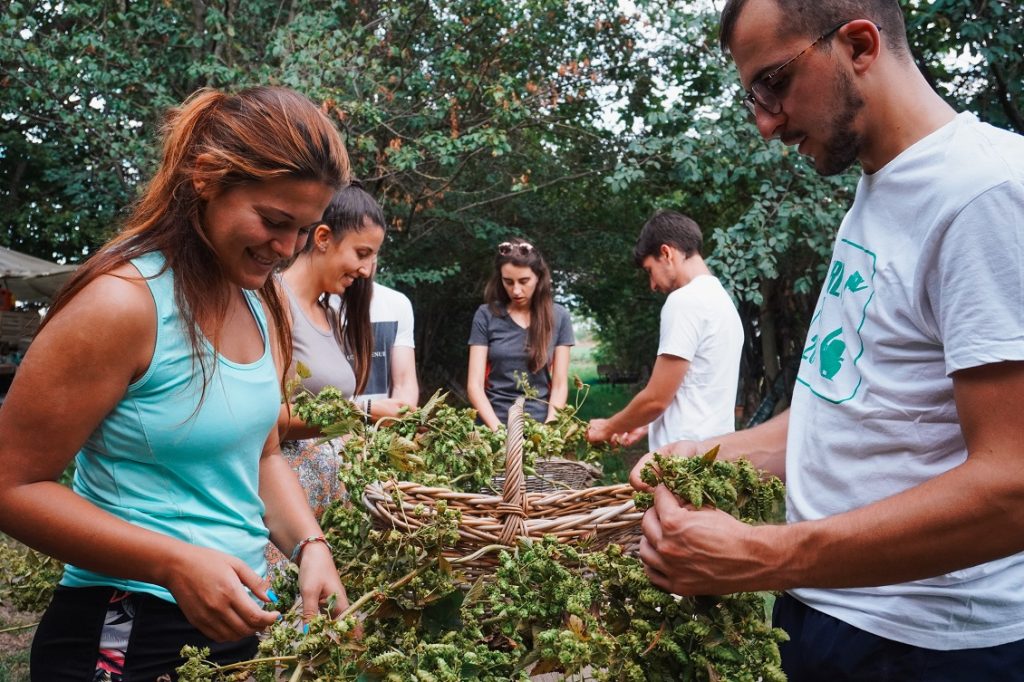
(253, 228)
(350, 258)
(520, 282)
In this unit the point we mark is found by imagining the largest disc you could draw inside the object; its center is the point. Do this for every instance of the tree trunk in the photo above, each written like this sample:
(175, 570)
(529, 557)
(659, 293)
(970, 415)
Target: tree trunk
(770, 342)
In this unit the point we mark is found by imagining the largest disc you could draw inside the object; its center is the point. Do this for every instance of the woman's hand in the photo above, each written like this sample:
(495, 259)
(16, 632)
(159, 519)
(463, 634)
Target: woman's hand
(388, 407)
(318, 580)
(210, 588)
(475, 391)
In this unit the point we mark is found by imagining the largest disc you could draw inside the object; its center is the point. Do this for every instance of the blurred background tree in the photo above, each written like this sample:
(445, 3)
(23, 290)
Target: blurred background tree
(565, 121)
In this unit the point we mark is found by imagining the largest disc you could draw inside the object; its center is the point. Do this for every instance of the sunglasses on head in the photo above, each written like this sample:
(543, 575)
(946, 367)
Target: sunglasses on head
(509, 248)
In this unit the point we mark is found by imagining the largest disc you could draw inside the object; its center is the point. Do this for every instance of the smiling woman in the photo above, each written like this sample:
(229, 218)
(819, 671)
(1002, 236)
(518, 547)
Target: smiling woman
(161, 363)
(329, 290)
(254, 228)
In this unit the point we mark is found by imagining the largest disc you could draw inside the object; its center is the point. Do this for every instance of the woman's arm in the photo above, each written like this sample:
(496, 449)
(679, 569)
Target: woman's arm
(475, 377)
(290, 520)
(559, 381)
(76, 371)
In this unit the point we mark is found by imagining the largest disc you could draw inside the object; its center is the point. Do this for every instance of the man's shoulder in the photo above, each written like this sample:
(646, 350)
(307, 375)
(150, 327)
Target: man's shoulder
(388, 303)
(984, 156)
(704, 296)
(387, 294)
(695, 290)
(966, 160)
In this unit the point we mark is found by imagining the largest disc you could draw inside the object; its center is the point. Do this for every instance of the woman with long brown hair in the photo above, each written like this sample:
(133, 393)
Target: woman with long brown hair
(329, 289)
(159, 369)
(519, 336)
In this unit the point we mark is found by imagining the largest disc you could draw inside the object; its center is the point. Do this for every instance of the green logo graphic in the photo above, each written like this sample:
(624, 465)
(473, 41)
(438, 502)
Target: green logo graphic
(834, 341)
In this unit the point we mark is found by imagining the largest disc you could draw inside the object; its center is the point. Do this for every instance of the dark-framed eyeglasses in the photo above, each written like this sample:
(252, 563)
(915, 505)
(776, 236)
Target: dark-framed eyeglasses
(517, 248)
(762, 93)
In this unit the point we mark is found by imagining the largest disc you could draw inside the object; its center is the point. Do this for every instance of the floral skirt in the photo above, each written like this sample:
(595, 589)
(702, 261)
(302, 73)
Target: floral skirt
(316, 463)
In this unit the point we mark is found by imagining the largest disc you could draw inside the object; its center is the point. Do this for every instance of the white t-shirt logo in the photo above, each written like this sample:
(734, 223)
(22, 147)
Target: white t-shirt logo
(834, 341)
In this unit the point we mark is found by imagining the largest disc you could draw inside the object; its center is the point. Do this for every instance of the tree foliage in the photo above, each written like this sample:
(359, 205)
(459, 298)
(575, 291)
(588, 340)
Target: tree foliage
(565, 121)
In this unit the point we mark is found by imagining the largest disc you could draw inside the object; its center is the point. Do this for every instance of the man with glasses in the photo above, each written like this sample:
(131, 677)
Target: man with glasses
(902, 450)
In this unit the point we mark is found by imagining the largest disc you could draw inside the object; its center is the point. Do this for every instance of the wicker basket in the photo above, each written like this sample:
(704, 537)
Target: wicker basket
(554, 473)
(595, 516)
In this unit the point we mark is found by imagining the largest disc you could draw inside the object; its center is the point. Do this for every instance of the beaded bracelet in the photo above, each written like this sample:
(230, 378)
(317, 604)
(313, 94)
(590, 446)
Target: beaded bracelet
(297, 552)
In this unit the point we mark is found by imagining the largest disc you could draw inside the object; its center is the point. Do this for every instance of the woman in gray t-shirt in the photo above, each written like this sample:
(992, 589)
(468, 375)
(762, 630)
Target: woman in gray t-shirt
(519, 334)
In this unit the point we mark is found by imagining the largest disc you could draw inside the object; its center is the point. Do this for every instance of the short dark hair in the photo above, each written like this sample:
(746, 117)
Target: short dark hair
(814, 18)
(671, 228)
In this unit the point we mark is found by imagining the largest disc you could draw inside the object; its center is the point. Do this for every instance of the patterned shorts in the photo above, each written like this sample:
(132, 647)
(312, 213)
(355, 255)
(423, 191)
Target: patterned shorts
(316, 463)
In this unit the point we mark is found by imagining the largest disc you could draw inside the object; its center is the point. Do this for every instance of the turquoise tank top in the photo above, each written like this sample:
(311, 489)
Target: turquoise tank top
(165, 462)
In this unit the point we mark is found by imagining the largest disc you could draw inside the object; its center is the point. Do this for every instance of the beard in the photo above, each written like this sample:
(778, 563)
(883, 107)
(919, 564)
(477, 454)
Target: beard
(843, 144)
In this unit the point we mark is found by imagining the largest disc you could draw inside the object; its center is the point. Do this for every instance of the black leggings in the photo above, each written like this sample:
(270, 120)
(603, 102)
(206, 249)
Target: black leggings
(66, 647)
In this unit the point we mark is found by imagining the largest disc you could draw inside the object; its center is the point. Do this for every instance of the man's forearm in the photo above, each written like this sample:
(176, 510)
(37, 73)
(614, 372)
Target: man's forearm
(406, 393)
(404, 384)
(969, 515)
(641, 410)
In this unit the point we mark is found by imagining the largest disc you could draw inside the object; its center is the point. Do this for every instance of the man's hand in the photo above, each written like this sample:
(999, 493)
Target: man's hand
(690, 551)
(681, 448)
(631, 437)
(388, 407)
(598, 431)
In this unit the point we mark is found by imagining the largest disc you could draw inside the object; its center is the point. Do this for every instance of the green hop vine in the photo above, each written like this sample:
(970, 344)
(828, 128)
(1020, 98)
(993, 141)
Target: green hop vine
(546, 607)
(734, 487)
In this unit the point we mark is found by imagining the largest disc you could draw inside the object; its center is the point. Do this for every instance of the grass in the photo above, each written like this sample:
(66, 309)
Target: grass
(14, 667)
(14, 645)
(15, 637)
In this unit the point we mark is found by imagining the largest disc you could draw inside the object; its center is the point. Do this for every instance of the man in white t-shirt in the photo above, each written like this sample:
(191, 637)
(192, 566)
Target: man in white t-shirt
(393, 369)
(692, 390)
(902, 451)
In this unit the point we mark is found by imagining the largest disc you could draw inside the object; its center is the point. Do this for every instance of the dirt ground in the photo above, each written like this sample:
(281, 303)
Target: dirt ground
(14, 645)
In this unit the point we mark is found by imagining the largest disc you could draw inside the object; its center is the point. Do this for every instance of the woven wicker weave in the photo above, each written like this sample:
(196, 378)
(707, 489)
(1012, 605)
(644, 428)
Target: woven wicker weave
(593, 515)
(554, 473)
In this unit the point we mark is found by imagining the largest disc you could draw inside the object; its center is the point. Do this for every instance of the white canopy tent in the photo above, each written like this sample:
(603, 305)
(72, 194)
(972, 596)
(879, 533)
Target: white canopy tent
(30, 278)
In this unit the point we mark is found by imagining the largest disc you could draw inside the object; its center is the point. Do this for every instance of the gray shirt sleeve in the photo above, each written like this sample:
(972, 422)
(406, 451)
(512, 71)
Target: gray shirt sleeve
(564, 335)
(478, 332)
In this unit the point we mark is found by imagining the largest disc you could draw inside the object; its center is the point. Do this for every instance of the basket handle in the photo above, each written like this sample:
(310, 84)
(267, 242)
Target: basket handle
(513, 506)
